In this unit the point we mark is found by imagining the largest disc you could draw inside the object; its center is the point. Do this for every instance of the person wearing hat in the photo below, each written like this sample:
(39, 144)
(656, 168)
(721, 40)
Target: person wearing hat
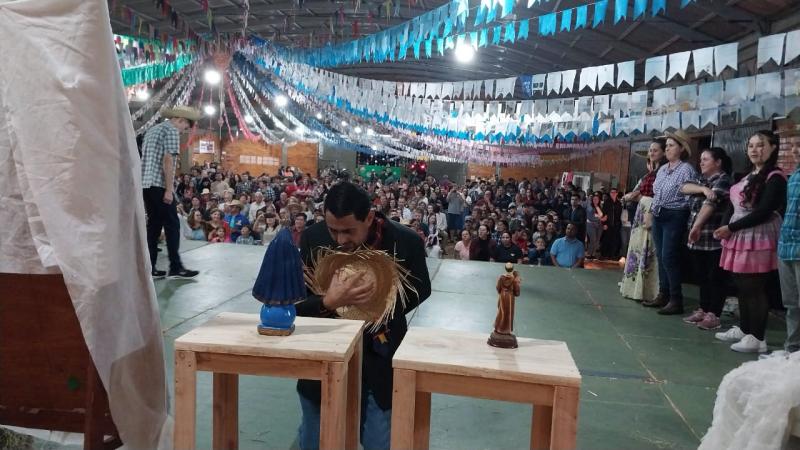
(670, 209)
(159, 154)
(235, 219)
(350, 224)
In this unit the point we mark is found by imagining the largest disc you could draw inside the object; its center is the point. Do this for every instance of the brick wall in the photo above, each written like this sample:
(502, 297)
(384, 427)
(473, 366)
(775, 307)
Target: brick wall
(479, 171)
(254, 157)
(785, 159)
(304, 156)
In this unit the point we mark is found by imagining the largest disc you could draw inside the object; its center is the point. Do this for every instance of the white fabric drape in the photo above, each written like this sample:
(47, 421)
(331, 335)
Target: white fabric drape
(71, 199)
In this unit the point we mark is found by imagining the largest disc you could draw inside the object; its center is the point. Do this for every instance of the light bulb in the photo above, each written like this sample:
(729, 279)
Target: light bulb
(344, 124)
(212, 76)
(464, 53)
(357, 130)
(319, 116)
(248, 118)
(281, 101)
(142, 95)
(209, 110)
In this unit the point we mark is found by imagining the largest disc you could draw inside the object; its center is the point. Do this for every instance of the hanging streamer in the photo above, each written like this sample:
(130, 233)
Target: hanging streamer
(509, 34)
(523, 30)
(580, 17)
(620, 10)
(659, 6)
(566, 20)
(639, 7)
(599, 13)
(547, 24)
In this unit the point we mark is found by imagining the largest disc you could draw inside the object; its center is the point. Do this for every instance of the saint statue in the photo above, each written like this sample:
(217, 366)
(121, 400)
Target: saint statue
(507, 289)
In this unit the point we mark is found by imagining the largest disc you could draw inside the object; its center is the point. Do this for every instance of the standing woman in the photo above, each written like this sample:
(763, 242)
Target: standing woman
(670, 210)
(750, 240)
(594, 214)
(640, 278)
(709, 202)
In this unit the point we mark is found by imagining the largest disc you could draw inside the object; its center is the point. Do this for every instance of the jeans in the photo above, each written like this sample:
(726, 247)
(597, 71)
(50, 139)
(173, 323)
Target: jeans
(711, 279)
(161, 215)
(376, 424)
(790, 291)
(669, 235)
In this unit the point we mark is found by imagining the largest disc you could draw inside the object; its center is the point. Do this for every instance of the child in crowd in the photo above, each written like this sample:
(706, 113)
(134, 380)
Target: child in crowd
(217, 236)
(245, 238)
(539, 255)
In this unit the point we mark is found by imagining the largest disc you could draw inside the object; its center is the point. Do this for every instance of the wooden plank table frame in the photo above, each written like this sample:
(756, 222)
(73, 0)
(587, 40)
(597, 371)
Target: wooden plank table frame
(329, 350)
(540, 373)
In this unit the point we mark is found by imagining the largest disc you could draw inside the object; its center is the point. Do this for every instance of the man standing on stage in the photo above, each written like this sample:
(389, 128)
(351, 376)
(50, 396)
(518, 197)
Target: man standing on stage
(349, 224)
(159, 154)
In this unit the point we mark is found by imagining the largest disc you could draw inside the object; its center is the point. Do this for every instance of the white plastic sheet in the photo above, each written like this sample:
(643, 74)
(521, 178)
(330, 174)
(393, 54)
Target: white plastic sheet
(70, 197)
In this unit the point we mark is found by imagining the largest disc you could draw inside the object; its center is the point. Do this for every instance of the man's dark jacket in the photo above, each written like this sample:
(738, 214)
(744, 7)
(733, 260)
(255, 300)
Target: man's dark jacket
(409, 250)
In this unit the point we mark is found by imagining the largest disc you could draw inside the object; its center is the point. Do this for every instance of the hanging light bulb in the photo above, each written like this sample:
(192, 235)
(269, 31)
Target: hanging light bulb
(464, 53)
(248, 118)
(142, 95)
(281, 101)
(212, 76)
(319, 116)
(209, 110)
(357, 130)
(344, 124)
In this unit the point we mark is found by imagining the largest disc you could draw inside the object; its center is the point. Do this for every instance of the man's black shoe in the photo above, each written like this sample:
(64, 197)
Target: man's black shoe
(183, 273)
(158, 274)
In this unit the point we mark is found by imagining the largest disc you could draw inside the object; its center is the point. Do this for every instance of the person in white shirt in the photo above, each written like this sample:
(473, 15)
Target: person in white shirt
(405, 213)
(258, 203)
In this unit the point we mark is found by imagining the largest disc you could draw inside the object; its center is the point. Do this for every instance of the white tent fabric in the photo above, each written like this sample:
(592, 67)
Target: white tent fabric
(70, 197)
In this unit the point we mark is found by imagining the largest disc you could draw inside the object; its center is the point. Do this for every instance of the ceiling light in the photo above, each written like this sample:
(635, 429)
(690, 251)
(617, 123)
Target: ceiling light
(464, 53)
(319, 116)
(357, 130)
(212, 76)
(248, 118)
(281, 101)
(209, 110)
(142, 95)
(344, 124)
(370, 131)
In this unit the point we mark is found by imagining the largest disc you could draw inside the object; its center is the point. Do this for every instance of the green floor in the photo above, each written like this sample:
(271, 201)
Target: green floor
(648, 381)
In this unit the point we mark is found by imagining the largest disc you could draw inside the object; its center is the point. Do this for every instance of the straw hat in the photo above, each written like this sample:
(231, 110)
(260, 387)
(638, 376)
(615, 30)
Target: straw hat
(206, 191)
(185, 112)
(681, 137)
(235, 203)
(378, 268)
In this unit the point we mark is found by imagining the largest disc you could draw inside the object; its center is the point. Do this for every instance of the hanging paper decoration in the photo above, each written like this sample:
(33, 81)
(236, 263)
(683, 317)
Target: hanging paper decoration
(792, 46)
(703, 61)
(655, 67)
(523, 30)
(658, 6)
(599, 13)
(496, 34)
(620, 10)
(639, 7)
(509, 35)
(605, 76)
(626, 73)
(684, 3)
(568, 80)
(726, 55)
(547, 24)
(678, 64)
(581, 14)
(508, 7)
(553, 83)
(482, 41)
(566, 20)
(770, 48)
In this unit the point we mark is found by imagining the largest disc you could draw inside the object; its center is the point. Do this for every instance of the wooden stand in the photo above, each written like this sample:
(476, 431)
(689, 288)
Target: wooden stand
(541, 373)
(47, 377)
(228, 345)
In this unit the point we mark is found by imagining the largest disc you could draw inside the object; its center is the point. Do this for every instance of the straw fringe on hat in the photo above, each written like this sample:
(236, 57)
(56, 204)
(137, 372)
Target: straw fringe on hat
(185, 112)
(391, 281)
(681, 137)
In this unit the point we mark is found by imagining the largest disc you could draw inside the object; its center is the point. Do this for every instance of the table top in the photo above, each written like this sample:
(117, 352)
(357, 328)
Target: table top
(467, 353)
(236, 334)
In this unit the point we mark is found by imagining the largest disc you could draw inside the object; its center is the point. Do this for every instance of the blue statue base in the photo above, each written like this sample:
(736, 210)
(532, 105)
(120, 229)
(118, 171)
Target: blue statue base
(277, 320)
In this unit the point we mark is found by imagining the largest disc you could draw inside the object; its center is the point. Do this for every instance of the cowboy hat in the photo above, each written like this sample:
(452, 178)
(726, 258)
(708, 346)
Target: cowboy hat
(205, 192)
(235, 203)
(681, 138)
(185, 112)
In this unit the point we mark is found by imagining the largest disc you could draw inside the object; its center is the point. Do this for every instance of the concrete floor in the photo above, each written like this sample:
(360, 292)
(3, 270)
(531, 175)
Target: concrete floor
(648, 381)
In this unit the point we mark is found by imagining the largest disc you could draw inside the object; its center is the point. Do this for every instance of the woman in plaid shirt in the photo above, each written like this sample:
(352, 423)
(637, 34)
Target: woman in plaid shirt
(789, 252)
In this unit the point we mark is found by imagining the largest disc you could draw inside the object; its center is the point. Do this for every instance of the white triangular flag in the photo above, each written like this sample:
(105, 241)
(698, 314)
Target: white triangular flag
(726, 55)
(605, 76)
(678, 64)
(768, 85)
(655, 67)
(626, 73)
(703, 61)
(709, 116)
(553, 83)
(488, 88)
(568, 80)
(770, 47)
(588, 79)
(792, 46)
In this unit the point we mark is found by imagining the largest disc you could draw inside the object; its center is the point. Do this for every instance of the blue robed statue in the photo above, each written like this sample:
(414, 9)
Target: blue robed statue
(280, 285)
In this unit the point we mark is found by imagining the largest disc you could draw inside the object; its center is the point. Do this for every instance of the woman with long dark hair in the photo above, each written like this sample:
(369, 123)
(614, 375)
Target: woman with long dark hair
(750, 240)
(710, 195)
(594, 228)
(640, 277)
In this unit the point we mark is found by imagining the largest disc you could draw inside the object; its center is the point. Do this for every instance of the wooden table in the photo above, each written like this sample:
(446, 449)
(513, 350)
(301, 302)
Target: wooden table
(541, 373)
(228, 345)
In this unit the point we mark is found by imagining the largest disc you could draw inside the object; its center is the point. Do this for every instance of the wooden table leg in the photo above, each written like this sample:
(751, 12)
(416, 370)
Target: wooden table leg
(422, 420)
(403, 399)
(333, 409)
(565, 418)
(541, 427)
(185, 399)
(353, 424)
(226, 411)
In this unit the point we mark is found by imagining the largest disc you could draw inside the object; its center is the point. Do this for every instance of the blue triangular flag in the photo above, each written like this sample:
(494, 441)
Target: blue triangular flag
(479, 16)
(659, 6)
(523, 30)
(566, 20)
(491, 14)
(416, 49)
(581, 13)
(484, 37)
(686, 2)
(509, 34)
(639, 7)
(428, 47)
(547, 24)
(496, 35)
(508, 7)
(473, 39)
(440, 46)
(599, 13)
(620, 10)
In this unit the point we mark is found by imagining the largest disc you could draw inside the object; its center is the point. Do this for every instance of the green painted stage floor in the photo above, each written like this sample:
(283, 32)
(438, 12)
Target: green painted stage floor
(648, 381)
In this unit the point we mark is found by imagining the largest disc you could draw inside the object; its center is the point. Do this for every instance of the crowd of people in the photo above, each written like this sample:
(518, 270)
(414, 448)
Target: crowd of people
(731, 231)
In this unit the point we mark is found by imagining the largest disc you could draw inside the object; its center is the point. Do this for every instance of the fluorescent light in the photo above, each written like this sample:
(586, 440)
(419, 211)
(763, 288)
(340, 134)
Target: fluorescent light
(464, 53)
(212, 76)
(344, 124)
(281, 101)
(357, 130)
(209, 110)
(248, 118)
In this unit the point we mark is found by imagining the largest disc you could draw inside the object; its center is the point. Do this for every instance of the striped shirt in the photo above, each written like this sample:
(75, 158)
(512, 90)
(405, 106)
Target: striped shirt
(159, 140)
(789, 242)
(720, 183)
(667, 187)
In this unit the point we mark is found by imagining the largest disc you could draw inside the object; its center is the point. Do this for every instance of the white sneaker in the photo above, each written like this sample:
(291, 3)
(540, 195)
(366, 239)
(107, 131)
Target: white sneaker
(775, 354)
(735, 334)
(749, 344)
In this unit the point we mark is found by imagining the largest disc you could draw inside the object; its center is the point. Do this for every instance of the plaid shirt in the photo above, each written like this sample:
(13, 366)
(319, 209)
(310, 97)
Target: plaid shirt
(720, 183)
(789, 242)
(667, 187)
(159, 140)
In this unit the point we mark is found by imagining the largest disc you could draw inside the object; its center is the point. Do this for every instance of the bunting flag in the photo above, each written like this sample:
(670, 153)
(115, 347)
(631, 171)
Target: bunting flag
(620, 10)
(547, 24)
(658, 6)
(582, 13)
(639, 8)
(509, 34)
(566, 20)
(599, 13)
(523, 29)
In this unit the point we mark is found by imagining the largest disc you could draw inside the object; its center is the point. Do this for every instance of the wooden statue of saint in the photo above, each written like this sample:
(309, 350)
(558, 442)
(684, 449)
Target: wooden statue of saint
(507, 289)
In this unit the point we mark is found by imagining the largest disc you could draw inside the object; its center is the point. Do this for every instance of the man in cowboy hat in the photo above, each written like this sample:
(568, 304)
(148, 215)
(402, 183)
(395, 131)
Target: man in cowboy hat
(159, 153)
(235, 219)
(349, 224)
